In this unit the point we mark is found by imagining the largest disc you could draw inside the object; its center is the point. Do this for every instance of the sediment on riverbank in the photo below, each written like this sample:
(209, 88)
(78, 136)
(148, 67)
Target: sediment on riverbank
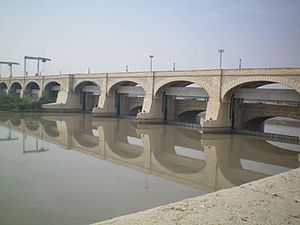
(273, 200)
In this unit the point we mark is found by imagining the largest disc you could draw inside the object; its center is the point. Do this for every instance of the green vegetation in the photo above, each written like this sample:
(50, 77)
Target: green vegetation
(14, 103)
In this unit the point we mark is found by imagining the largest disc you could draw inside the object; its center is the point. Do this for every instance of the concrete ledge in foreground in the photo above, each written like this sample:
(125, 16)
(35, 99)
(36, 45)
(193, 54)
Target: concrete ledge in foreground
(273, 200)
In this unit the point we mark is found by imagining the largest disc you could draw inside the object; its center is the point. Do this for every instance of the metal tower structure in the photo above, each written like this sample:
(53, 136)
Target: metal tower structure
(38, 63)
(10, 64)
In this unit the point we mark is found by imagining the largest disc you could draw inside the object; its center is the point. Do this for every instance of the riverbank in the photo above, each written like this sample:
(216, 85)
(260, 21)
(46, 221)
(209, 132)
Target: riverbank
(273, 200)
(16, 104)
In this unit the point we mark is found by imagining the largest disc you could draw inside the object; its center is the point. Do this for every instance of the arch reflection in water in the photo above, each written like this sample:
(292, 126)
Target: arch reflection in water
(206, 162)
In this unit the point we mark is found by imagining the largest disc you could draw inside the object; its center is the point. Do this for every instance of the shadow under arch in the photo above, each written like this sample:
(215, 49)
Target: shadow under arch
(191, 116)
(236, 111)
(88, 92)
(3, 88)
(124, 101)
(51, 90)
(15, 89)
(31, 90)
(230, 88)
(171, 102)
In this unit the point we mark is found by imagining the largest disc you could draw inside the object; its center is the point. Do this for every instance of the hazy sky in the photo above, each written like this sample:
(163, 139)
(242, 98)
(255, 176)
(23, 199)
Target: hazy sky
(107, 35)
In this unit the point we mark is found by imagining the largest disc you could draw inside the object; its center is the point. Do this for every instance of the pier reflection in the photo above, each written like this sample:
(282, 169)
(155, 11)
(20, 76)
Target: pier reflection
(206, 162)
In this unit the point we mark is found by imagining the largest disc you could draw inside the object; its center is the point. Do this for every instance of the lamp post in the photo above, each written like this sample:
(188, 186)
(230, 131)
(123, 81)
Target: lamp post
(221, 55)
(151, 58)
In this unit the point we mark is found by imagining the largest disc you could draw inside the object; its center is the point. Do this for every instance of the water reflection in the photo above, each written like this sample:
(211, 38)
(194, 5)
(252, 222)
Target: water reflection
(206, 162)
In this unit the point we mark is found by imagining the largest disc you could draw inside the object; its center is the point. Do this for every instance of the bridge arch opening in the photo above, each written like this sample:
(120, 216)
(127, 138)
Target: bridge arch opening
(192, 116)
(15, 89)
(128, 98)
(88, 92)
(182, 101)
(31, 91)
(3, 88)
(261, 99)
(51, 90)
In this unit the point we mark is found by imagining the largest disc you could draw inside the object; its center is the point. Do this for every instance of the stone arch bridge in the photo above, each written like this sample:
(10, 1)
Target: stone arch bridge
(153, 96)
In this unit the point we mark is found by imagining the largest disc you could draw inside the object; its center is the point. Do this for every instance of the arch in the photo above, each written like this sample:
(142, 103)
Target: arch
(123, 102)
(51, 90)
(88, 99)
(230, 86)
(168, 82)
(173, 103)
(58, 82)
(192, 116)
(32, 85)
(83, 83)
(116, 83)
(240, 110)
(3, 87)
(14, 88)
(16, 84)
(31, 90)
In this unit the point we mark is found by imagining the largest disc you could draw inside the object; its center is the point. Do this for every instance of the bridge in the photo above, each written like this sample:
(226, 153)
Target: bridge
(207, 162)
(152, 97)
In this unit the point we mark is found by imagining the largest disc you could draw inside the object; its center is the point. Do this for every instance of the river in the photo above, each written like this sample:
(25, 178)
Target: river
(77, 169)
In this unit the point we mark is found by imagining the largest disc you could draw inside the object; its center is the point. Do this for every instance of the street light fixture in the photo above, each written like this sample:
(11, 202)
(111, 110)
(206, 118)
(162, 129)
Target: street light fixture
(151, 58)
(221, 54)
